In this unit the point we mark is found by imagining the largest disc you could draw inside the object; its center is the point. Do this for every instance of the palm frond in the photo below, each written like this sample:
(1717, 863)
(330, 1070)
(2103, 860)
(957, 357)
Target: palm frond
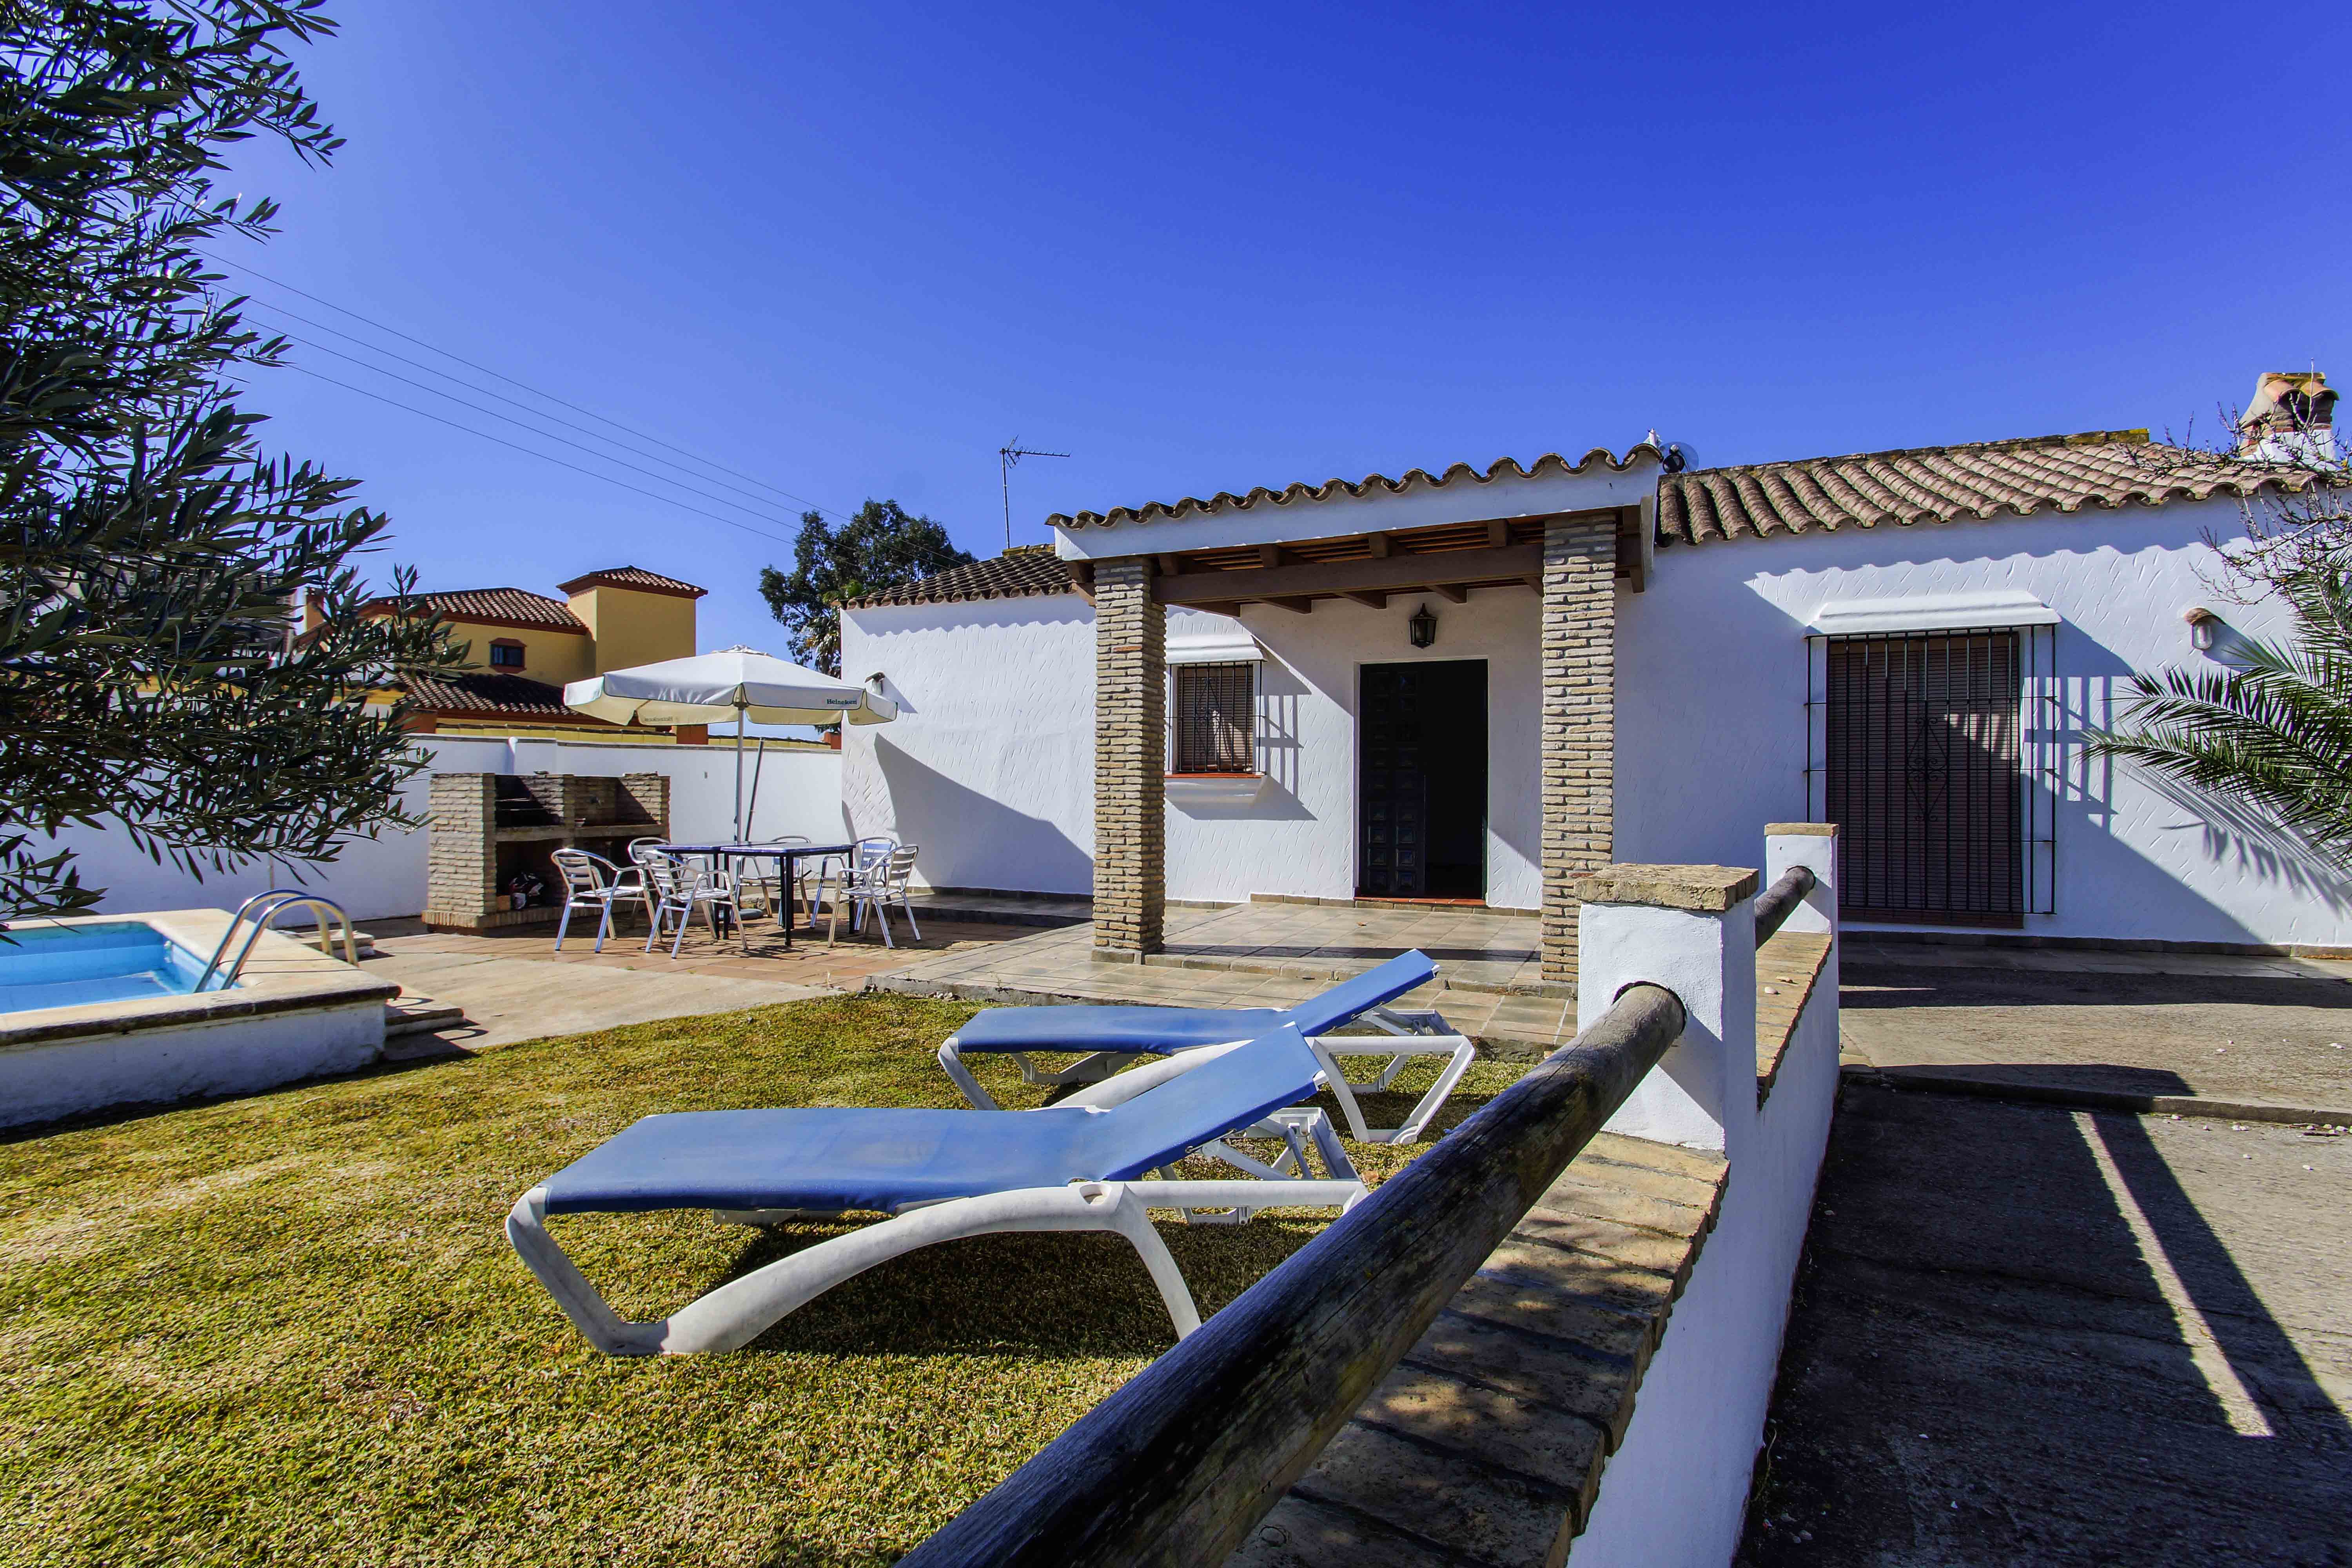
(2275, 731)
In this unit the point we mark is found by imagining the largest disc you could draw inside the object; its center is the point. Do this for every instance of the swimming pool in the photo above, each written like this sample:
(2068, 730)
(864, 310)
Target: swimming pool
(67, 966)
(101, 1010)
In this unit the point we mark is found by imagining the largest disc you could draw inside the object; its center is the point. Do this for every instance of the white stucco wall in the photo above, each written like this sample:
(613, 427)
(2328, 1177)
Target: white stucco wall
(379, 878)
(1712, 676)
(1297, 837)
(990, 767)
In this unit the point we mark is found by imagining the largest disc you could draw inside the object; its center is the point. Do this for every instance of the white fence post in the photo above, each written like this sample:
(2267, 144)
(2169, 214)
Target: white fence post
(1691, 929)
(1813, 844)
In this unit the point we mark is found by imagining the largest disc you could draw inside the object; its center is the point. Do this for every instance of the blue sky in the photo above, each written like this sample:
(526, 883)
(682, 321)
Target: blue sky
(850, 250)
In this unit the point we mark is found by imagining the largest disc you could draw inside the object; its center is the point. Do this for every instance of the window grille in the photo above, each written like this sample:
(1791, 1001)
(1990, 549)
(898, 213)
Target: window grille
(1215, 714)
(1921, 749)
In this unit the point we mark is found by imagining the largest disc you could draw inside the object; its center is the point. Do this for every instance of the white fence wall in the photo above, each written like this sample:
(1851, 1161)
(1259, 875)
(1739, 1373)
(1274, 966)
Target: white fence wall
(1675, 1491)
(798, 792)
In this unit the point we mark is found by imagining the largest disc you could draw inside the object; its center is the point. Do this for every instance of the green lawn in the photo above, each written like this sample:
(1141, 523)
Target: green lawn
(289, 1327)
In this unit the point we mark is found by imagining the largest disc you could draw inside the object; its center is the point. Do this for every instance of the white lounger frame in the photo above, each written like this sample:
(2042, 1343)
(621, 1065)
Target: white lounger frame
(1405, 1036)
(741, 1310)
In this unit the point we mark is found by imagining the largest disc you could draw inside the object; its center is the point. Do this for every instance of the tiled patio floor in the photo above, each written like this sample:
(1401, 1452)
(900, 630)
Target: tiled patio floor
(842, 967)
(513, 984)
(1271, 955)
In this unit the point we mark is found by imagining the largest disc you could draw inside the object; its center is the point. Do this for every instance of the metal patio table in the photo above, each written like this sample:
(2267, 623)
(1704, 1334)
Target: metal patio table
(786, 854)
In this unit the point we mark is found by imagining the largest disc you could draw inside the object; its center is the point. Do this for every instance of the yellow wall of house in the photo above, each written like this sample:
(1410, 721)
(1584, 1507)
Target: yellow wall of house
(548, 655)
(630, 628)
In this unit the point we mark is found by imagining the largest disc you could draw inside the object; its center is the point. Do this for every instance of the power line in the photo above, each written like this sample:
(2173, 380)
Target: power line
(543, 457)
(486, 370)
(549, 434)
(485, 391)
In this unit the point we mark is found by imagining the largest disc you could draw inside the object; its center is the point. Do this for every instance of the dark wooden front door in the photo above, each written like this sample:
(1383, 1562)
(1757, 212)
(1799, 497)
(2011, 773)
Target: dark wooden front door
(1421, 812)
(1925, 782)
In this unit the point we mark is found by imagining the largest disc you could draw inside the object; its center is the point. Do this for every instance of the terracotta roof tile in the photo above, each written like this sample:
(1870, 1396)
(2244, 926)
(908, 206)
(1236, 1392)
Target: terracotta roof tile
(636, 577)
(1021, 572)
(2106, 468)
(493, 606)
(505, 696)
(1550, 463)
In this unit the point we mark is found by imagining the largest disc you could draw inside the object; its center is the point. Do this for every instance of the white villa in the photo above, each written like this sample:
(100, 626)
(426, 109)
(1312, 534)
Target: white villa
(1471, 685)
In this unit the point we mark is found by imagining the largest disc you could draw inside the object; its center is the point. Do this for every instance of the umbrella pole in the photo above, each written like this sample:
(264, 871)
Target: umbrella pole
(738, 773)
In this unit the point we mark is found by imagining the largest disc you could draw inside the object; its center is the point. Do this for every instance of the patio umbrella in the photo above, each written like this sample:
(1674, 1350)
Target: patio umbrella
(739, 681)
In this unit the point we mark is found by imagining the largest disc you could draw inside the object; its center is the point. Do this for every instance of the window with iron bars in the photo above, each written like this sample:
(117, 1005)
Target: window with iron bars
(1925, 749)
(1214, 718)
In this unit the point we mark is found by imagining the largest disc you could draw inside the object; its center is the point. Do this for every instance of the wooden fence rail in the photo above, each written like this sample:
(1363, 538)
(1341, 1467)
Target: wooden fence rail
(1178, 1466)
(1781, 899)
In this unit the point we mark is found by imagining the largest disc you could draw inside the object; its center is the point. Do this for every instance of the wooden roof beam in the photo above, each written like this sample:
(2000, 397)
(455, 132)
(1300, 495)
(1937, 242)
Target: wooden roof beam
(1395, 574)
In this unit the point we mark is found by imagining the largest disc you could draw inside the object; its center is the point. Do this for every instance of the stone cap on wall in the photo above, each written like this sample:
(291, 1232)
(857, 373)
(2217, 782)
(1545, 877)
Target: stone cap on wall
(1813, 829)
(1709, 890)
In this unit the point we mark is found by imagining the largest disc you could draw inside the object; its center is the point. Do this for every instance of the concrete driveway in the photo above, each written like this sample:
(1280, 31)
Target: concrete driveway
(2043, 1333)
(2249, 1037)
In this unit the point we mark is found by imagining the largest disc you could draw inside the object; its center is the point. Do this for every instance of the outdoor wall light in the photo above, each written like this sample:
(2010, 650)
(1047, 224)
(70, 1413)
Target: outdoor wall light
(2204, 628)
(1423, 628)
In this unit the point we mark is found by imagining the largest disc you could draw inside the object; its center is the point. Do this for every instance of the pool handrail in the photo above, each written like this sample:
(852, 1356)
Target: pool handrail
(286, 898)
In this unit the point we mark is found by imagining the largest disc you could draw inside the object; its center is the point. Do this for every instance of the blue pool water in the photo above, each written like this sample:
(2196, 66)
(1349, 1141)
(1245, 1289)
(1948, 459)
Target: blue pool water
(65, 966)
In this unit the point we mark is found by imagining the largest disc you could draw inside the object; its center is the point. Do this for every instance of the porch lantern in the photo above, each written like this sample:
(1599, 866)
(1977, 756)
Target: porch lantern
(1423, 628)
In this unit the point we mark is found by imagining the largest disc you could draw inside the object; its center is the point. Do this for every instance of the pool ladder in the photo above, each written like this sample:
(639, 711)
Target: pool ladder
(275, 903)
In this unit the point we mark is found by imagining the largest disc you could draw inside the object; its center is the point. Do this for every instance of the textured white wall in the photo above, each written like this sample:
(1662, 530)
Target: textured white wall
(375, 878)
(1712, 677)
(1298, 836)
(989, 766)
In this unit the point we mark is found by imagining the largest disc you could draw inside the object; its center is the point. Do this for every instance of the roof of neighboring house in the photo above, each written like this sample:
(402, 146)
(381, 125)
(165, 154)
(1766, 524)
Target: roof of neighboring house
(1550, 463)
(482, 693)
(1018, 573)
(488, 606)
(636, 577)
(2106, 468)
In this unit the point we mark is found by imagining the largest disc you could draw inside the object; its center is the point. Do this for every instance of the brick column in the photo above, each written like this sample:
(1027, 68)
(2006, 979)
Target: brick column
(461, 850)
(1580, 695)
(1130, 761)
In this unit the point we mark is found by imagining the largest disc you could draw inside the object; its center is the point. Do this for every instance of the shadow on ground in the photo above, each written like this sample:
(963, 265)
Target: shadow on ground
(2028, 1336)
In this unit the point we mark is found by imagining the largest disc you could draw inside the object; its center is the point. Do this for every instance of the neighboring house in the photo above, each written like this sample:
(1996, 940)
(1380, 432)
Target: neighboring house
(1470, 685)
(522, 647)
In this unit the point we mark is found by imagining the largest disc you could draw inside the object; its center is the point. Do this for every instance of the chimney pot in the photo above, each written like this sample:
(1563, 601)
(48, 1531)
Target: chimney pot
(2291, 419)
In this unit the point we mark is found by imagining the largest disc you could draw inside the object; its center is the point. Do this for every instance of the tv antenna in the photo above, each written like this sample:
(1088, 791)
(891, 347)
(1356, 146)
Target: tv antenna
(1009, 454)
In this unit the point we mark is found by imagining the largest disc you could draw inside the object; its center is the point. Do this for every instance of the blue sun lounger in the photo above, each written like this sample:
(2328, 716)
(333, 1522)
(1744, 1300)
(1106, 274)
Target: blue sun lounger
(1084, 1164)
(1114, 1036)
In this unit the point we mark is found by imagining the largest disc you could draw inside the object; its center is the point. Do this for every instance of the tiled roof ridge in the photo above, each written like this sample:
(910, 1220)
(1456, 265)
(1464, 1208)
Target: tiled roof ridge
(1549, 462)
(2077, 438)
(633, 577)
(1024, 571)
(497, 606)
(1983, 480)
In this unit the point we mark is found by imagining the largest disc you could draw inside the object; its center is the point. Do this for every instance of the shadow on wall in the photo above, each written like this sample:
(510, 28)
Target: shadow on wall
(2237, 833)
(968, 840)
(2092, 696)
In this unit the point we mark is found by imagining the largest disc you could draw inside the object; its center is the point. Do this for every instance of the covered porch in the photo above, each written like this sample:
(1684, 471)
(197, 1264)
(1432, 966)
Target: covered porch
(1307, 772)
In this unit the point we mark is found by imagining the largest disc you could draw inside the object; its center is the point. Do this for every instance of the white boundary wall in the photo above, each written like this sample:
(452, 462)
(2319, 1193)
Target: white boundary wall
(376, 878)
(1675, 1491)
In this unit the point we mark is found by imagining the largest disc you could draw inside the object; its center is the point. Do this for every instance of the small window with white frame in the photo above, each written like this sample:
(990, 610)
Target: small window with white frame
(1214, 718)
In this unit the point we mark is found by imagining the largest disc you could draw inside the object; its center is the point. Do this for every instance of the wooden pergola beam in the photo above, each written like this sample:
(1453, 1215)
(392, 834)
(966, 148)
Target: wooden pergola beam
(1391, 574)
